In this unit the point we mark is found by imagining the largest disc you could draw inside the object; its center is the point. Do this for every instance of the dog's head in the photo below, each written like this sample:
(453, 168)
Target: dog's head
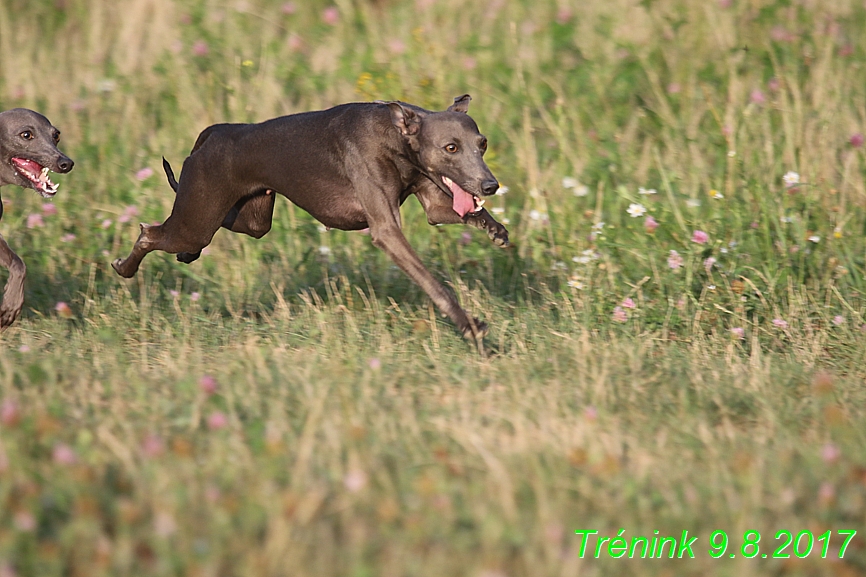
(449, 150)
(28, 151)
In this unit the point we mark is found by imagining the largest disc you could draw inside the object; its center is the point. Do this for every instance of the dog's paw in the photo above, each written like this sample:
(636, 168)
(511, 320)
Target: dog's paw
(498, 234)
(500, 240)
(8, 315)
(476, 330)
(118, 267)
(187, 257)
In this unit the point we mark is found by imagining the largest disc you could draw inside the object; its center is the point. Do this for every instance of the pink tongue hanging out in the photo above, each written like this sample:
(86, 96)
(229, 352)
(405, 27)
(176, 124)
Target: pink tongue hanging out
(30, 166)
(36, 174)
(463, 201)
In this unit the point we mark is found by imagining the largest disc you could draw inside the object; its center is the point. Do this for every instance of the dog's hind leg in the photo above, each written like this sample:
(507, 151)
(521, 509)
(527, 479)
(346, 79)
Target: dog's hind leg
(252, 215)
(199, 210)
(187, 257)
(169, 237)
(151, 238)
(13, 295)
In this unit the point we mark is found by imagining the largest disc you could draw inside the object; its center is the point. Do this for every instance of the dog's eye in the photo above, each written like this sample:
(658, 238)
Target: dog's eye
(56, 137)
(27, 135)
(484, 145)
(452, 148)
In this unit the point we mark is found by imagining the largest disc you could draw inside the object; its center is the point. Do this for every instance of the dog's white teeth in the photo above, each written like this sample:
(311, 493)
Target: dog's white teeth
(448, 181)
(479, 202)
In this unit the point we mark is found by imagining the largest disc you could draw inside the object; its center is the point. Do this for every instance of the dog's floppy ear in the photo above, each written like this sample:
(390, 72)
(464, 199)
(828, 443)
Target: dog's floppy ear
(405, 119)
(461, 104)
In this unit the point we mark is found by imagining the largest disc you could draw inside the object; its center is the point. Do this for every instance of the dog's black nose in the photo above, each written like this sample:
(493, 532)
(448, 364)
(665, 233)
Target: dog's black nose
(489, 187)
(64, 164)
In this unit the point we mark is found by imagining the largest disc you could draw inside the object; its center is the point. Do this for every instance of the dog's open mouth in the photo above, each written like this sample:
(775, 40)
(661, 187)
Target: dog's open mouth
(36, 174)
(463, 202)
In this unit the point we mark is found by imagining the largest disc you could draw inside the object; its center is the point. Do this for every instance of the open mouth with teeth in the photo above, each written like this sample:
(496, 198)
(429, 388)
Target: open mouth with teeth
(36, 174)
(463, 202)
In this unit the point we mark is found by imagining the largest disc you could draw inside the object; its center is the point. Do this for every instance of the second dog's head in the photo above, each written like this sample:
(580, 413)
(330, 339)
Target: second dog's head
(450, 151)
(28, 151)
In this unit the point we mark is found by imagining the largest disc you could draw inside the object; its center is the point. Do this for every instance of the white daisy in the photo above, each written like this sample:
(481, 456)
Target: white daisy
(791, 179)
(635, 210)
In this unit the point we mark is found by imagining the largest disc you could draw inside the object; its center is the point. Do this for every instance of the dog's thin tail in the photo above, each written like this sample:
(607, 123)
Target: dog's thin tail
(169, 173)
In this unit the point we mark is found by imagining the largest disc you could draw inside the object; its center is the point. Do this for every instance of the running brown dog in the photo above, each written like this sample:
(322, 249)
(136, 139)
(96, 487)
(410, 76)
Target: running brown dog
(351, 167)
(28, 152)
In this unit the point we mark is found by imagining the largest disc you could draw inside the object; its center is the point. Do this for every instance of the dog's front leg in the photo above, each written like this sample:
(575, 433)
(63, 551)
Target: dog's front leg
(485, 221)
(390, 238)
(13, 295)
(437, 207)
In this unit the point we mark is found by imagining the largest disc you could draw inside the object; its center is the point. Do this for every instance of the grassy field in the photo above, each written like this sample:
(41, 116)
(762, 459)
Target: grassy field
(677, 332)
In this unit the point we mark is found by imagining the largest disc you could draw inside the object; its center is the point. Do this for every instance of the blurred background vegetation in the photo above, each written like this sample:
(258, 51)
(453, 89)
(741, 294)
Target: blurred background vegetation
(676, 334)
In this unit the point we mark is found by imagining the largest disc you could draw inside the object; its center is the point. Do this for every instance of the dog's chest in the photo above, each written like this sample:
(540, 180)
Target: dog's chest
(340, 211)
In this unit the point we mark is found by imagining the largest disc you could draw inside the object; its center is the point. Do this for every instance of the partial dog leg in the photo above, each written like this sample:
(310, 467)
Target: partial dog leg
(181, 232)
(251, 215)
(199, 210)
(437, 206)
(389, 238)
(151, 238)
(13, 295)
(187, 257)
